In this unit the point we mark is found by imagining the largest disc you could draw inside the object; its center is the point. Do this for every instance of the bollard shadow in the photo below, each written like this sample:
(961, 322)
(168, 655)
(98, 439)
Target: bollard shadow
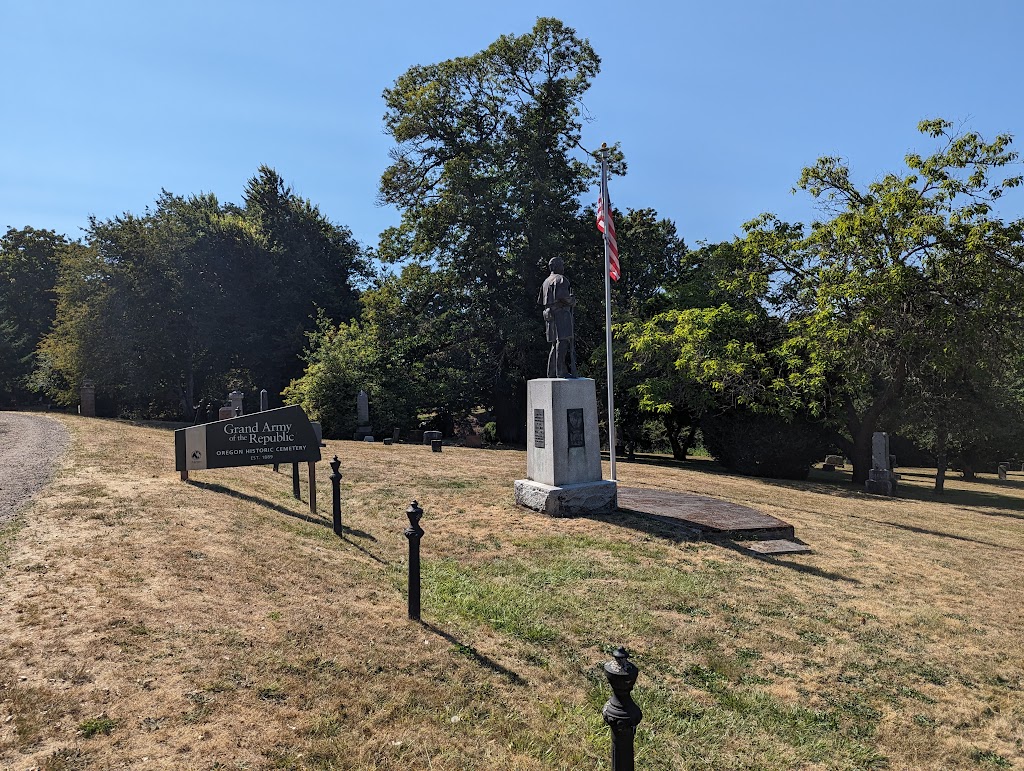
(472, 653)
(779, 560)
(344, 536)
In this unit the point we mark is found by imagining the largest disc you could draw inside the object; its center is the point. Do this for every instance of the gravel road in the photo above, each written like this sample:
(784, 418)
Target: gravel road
(30, 450)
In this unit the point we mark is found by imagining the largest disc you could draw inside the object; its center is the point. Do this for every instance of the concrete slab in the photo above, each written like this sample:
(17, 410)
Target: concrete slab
(709, 516)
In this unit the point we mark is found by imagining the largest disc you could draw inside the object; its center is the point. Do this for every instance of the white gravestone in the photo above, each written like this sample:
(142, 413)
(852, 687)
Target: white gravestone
(563, 450)
(235, 397)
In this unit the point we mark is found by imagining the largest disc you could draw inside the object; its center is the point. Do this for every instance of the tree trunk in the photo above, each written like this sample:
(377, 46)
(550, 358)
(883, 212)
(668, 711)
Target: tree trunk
(690, 436)
(672, 432)
(861, 456)
(941, 435)
(510, 411)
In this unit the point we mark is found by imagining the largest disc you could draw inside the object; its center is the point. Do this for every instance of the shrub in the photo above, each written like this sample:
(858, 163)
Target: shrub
(764, 445)
(491, 433)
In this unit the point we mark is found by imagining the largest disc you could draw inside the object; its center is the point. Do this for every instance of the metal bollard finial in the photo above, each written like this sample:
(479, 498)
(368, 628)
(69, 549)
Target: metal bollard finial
(620, 712)
(414, 533)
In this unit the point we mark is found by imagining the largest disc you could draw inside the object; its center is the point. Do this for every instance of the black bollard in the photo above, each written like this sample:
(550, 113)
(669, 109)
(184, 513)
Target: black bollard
(414, 533)
(620, 712)
(336, 485)
(295, 481)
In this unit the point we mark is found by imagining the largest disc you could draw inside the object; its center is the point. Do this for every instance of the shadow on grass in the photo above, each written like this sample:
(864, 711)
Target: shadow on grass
(360, 534)
(838, 483)
(798, 567)
(346, 531)
(669, 528)
(975, 499)
(940, 534)
(472, 653)
(677, 531)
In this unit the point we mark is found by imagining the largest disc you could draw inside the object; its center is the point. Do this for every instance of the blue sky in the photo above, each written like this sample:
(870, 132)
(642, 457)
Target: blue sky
(718, 105)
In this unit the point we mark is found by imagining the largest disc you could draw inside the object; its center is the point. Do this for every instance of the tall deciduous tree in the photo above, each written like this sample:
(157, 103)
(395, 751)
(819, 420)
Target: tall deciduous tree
(486, 173)
(872, 290)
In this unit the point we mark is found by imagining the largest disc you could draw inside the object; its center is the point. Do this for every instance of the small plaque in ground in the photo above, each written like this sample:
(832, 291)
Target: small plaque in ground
(777, 546)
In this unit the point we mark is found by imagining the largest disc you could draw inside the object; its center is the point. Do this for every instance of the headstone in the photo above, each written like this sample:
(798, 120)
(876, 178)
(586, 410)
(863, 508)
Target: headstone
(881, 480)
(388, 441)
(225, 413)
(264, 400)
(363, 408)
(431, 436)
(880, 451)
(368, 438)
(415, 436)
(563, 450)
(362, 416)
(88, 403)
(235, 397)
(1003, 468)
(835, 460)
(435, 444)
(319, 431)
(396, 434)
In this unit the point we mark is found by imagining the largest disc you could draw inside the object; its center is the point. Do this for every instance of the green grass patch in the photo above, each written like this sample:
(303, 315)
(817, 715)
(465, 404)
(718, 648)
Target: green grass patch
(96, 726)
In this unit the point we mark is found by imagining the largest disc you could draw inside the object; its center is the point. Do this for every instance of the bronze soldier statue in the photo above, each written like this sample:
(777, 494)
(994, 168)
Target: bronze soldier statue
(557, 300)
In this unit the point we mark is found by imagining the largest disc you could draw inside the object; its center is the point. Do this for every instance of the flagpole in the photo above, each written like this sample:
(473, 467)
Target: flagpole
(608, 311)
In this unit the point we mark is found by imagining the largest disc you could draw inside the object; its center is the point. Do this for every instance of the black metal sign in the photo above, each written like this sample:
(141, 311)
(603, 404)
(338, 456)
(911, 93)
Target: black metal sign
(576, 433)
(284, 435)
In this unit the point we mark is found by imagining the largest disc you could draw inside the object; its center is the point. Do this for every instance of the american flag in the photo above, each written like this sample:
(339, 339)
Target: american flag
(607, 226)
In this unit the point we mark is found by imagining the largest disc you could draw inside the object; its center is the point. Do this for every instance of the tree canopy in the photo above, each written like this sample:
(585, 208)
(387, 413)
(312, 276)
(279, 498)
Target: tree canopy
(195, 297)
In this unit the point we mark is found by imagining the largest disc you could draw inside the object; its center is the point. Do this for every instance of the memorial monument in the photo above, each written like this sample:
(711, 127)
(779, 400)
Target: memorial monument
(563, 447)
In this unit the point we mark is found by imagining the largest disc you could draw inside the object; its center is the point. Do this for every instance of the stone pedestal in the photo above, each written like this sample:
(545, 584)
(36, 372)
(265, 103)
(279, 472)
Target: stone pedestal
(563, 450)
(880, 482)
(88, 399)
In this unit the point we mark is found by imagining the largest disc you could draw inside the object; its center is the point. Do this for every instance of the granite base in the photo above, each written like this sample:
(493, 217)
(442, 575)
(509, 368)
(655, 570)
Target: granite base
(574, 500)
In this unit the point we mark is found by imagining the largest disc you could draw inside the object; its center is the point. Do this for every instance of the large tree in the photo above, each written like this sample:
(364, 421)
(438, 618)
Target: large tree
(487, 172)
(195, 297)
(896, 274)
(28, 274)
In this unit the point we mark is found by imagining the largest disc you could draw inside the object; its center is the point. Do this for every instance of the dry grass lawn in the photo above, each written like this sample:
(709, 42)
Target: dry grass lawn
(153, 624)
